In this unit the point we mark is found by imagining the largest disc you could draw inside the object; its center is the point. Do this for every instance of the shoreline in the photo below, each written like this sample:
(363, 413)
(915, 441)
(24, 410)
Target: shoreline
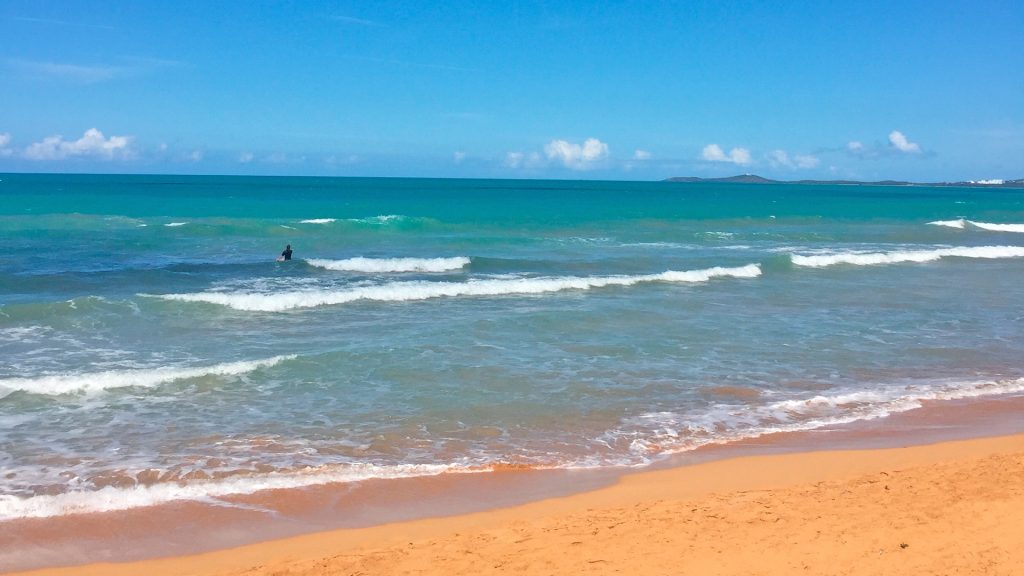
(433, 507)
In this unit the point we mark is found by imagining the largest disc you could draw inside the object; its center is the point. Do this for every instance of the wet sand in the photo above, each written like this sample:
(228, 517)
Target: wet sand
(772, 506)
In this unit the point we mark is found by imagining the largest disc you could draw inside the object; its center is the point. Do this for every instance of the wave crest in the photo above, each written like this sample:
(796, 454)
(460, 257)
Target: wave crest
(875, 258)
(991, 227)
(1019, 228)
(423, 290)
(959, 223)
(380, 265)
(66, 383)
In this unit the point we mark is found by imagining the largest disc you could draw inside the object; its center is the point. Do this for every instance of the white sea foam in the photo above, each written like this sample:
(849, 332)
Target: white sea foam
(668, 432)
(991, 227)
(950, 223)
(379, 265)
(1019, 228)
(422, 290)
(646, 436)
(382, 219)
(873, 258)
(317, 221)
(92, 382)
(173, 224)
(23, 334)
(109, 499)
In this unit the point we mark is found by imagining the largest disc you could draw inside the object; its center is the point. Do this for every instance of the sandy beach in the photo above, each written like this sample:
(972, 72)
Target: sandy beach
(947, 508)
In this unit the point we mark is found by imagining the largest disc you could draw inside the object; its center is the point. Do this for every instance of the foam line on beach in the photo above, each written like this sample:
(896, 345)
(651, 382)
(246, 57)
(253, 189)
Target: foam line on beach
(667, 433)
(383, 265)
(110, 498)
(650, 435)
(423, 290)
(900, 256)
(317, 221)
(96, 381)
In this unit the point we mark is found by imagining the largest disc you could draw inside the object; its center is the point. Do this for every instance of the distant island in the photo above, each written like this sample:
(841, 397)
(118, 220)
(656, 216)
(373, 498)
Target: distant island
(755, 179)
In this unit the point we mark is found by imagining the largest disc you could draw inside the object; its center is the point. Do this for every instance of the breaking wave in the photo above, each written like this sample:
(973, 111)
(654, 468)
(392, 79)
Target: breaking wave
(92, 382)
(991, 227)
(960, 223)
(317, 221)
(378, 265)
(423, 290)
(874, 258)
(998, 227)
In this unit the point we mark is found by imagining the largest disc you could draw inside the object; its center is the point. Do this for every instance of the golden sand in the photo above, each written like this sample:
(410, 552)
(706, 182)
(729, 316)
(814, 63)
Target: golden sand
(948, 508)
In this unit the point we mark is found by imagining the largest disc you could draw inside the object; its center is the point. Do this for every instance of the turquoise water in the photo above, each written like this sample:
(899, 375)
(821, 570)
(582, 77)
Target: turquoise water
(155, 351)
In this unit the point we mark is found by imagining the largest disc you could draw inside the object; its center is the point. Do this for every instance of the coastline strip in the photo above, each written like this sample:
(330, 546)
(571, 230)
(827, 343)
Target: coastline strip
(934, 509)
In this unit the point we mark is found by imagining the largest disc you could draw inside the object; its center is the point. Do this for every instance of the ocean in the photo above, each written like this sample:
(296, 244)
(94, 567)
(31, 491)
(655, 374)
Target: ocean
(154, 351)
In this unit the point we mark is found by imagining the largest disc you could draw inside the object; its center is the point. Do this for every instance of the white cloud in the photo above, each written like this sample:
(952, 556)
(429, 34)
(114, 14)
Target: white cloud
(5, 139)
(458, 157)
(855, 146)
(898, 140)
(91, 144)
(246, 157)
(577, 156)
(714, 153)
(805, 161)
(514, 159)
(195, 156)
(781, 158)
(641, 155)
(520, 160)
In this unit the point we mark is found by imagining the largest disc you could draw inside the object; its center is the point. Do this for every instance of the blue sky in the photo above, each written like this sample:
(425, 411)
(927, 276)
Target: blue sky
(626, 90)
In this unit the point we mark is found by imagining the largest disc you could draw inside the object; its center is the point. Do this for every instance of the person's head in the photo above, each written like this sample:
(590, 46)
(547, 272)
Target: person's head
(288, 247)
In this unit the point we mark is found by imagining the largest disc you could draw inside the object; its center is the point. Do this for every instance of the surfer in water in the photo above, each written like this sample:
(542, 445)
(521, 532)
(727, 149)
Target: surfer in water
(286, 255)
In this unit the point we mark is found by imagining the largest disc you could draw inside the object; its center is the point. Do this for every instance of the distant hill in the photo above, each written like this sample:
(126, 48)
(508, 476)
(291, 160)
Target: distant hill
(741, 179)
(755, 179)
